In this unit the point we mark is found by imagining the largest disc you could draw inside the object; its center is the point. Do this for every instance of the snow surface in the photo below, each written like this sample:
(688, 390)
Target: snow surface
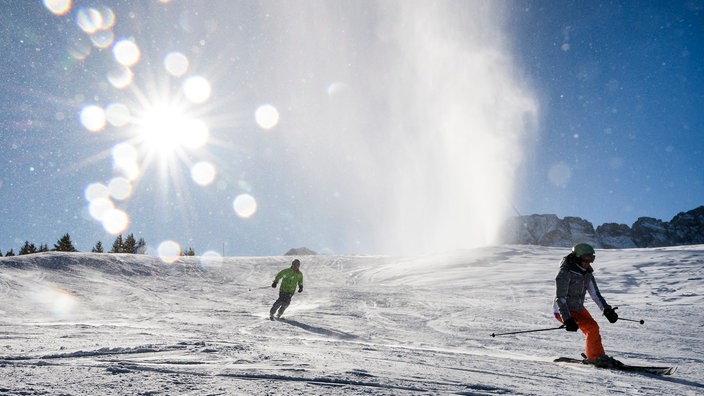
(109, 324)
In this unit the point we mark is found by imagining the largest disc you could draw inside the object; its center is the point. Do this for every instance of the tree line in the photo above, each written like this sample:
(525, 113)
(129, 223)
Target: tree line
(127, 244)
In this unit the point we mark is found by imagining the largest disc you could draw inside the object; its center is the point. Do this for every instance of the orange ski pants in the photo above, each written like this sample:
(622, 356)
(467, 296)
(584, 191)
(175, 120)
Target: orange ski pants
(590, 328)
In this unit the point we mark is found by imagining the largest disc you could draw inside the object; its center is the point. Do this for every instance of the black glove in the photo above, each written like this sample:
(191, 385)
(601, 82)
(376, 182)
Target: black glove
(571, 325)
(273, 284)
(300, 289)
(611, 314)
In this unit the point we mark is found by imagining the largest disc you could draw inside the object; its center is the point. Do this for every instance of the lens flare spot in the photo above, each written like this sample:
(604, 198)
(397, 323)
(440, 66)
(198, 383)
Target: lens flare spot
(266, 116)
(102, 39)
(100, 207)
(245, 206)
(89, 19)
(124, 153)
(108, 18)
(197, 89)
(79, 50)
(96, 191)
(130, 170)
(120, 188)
(118, 114)
(120, 77)
(57, 301)
(124, 158)
(126, 52)
(93, 118)
(210, 261)
(203, 173)
(176, 64)
(58, 7)
(115, 221)
(560, 174)
(244, 185)
(169, 251)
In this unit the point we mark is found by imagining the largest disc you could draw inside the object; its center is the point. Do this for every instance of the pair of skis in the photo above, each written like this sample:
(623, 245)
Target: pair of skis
(656, 370)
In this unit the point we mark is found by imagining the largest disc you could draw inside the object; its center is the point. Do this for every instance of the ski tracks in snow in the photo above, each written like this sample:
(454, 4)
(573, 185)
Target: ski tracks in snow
(363, 325)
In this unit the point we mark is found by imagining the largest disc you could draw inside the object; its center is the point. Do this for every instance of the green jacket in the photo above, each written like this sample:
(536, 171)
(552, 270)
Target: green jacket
(289, 280)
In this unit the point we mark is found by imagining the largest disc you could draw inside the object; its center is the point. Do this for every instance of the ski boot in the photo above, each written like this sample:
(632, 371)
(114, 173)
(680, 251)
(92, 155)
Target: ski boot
(606, 362)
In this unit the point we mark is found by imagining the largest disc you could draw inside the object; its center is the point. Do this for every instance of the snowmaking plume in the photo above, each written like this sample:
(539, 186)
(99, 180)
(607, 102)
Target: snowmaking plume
(406, 122)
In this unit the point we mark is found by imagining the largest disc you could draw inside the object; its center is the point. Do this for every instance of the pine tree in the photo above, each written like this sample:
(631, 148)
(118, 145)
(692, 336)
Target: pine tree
(117, 245)
(43, 248)
(129, 245)
(189, 252)
(28, 248)
(98, 248)
(64, 244)
(10, 253)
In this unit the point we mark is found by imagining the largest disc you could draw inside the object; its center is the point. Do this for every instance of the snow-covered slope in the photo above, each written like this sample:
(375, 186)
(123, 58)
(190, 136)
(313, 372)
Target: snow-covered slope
(75, 323)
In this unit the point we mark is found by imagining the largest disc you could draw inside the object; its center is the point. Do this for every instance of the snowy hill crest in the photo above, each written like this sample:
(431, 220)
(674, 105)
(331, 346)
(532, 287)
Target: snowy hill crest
(115, 324)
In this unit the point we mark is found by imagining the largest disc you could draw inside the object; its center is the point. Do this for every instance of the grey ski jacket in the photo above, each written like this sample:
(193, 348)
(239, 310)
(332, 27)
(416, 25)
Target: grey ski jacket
(571, 285)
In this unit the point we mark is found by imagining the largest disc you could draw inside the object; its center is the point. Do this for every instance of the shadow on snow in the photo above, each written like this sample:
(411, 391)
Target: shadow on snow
(320, 330)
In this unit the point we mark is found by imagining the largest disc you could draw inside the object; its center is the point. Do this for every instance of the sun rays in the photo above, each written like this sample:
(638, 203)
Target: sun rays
(156, 111)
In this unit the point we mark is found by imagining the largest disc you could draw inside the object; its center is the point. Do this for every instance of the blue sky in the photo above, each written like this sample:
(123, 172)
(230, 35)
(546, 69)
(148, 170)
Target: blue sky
(620, 85)
(369, 127)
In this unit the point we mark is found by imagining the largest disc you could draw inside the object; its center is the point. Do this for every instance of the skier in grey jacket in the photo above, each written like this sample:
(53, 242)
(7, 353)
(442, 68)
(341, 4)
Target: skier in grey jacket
(574, 279)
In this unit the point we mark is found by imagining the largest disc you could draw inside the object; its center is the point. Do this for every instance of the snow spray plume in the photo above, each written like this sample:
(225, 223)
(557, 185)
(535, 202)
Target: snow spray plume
(406, 120)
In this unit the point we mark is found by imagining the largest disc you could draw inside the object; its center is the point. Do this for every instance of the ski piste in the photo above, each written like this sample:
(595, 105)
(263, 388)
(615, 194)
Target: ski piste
(657, 370)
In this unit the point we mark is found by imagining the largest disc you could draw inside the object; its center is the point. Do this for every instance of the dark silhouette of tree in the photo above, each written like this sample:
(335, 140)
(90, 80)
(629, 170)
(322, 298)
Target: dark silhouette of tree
(64, 244)
(43, 248)
(28, 248)
(10, 253)
(189, 252)
(98, 248)
(129, 244)
(117, 245)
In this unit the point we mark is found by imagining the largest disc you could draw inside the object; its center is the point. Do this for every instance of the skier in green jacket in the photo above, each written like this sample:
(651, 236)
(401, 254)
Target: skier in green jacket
(290, 278)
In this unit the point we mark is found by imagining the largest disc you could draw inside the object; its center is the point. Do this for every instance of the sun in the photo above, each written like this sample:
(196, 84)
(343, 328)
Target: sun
(166, 131)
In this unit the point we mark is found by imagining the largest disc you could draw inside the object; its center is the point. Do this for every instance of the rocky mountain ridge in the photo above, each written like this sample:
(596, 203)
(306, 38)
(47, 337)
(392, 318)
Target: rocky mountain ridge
(686, 228)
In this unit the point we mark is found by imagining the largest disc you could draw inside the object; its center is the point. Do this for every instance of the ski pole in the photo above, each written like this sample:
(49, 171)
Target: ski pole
(258, 288)
(528, 331)
(250, 289)
(641, 321)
